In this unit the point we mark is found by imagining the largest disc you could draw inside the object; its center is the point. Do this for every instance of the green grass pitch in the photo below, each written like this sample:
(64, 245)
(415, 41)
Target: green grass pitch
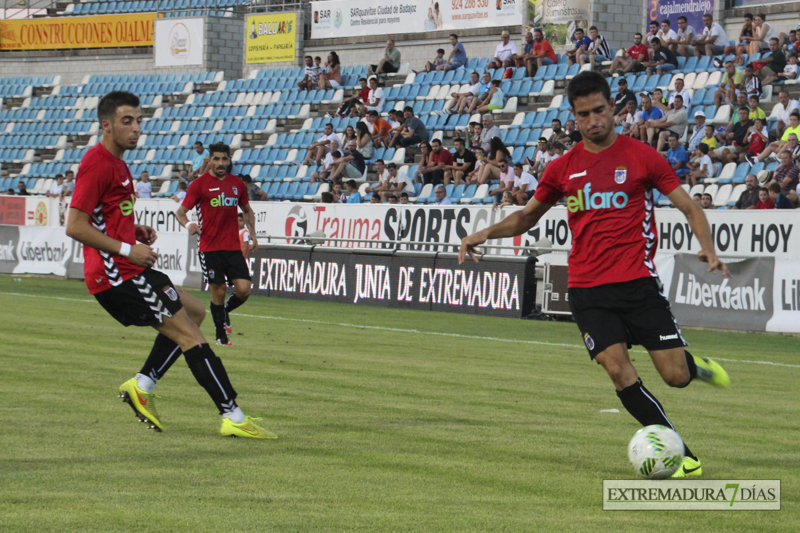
(384, 424)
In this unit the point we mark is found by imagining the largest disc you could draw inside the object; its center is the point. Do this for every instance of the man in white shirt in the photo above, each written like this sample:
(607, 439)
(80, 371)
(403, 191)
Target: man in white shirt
(461, 101)
(400, 182)
(783, 109)
(144, 188)
(524, 185)
(682, 44)
(666, 33)
(327, 163)
(319, 148)
(375, 100)
(681, 90)
(628, 118)
(311, 73)
(181, 194)
(505, 54)
(57, 188)
(713, 40)
(382, 187)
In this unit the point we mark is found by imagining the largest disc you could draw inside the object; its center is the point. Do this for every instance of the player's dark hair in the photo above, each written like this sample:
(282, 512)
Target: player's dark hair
(221, 148)
(586, 83)
(107, 107)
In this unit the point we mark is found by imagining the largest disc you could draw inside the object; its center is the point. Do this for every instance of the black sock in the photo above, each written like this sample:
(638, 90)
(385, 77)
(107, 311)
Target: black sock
(218, 314)
(209, 372)
(165, 352)
(691, 364)
(645, 408)
(233, 303)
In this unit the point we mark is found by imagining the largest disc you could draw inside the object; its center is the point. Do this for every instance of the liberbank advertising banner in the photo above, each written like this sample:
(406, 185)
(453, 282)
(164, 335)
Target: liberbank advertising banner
(345, 18)
(693, 10)
(63, 33)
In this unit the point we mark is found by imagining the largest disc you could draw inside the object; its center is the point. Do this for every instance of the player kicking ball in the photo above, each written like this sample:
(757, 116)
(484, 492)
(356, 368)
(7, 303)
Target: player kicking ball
(614, 291)
(119, 274)
(218, 196)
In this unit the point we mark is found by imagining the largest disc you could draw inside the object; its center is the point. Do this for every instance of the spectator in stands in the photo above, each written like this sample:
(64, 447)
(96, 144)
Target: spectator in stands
(57, 188)
(706, 201)
(375, 99)
(350, 166)
(440, 160)
(506, 176)
(571, 127)
(624, 96)
(629, 118)
(441, 196)
(414, 131)
(736, 136)
(463, 163)
(461, 101)
(631, 59)
(524, 185)
(22, 189)
(422, 174)
(710, 139)
(652, 34)
(524, 58)
(505, 53)
(779, 198)
(181, 194)
(473, 133)
(786, 177)
(741, 47)
(10, 191)
(698, 131)
(598, 50)
(676, 120)
(496, 99)
(677, 156)
(789, 72)
(320, 147)
(659, 101)
(318, 62)
(458, 56)
(558, 134)
(682, 43)
(490, 169)
(702, 170)
(732, 82)
(404, 198)
(749, 197)
(755, 110)
(542, 54)
(353, 196)
(144, 188)
(332, 77)
(183, 175)
(649, 113)
(683, 92)
(666, 33)
(477, 172)
(382, 186)
(327, 163)
(762, 33)
(364, 142)
(69, 182)
(375, 200)
(438, 62)
(772, 63)
(393, 199)
(790, 144)
(751, 84)
(338, 196)
(349, 135)
(489, 131)
(582, 43)
(697, 197)
(390, 62)
(354, 104)
(662, 59)
(326, 198)
(310, 75)
(712, 41)
(254, 192)
(483, 93)
(199, 160)
(399, 183)
(764, 200)
(380, 129)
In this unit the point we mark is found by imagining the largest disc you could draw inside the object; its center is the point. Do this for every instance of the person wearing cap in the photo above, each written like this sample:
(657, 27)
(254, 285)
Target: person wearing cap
(699, 130)
(623, 97)
(505, 55)
(681, 90)
(582, 43)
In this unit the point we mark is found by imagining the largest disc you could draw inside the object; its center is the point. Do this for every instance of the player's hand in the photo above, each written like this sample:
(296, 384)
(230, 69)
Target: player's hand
(253, 244)
(142, 255)
(468, 246)
(714, 263)
(146, 234)
(193, 228)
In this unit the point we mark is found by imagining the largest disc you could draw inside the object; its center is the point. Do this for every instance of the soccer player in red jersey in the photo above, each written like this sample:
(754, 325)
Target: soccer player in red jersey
(119, 273)
(615, 295)
(218, 196)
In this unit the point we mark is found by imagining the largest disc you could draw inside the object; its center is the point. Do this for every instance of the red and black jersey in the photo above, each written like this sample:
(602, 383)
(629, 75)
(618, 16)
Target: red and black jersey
(610, 205)
(104, 191)
(217, 202)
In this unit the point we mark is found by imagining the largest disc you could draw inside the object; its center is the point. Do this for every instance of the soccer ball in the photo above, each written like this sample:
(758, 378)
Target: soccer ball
(656, 452)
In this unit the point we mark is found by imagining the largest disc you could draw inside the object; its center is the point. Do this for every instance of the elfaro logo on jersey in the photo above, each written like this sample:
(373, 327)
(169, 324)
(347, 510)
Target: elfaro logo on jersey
(224, 201)
(586, 200)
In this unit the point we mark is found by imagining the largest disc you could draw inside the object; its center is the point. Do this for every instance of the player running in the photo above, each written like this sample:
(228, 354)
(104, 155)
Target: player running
(217, 196)
(118, 273)
(614, 291)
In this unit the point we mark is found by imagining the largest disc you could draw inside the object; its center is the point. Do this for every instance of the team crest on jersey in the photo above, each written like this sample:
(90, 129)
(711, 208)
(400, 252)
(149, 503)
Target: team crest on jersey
(171, 293)
(235, 191)
(620, 175)
(589, 341)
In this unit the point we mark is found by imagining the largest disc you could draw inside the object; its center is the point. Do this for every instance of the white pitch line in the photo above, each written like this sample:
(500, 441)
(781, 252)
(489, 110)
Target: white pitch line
(415, 331)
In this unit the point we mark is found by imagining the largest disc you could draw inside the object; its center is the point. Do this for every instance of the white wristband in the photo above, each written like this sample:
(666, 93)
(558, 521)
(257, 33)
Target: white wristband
(124, 249)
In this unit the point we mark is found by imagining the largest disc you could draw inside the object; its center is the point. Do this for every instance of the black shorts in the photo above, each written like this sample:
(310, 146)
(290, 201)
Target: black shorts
(388, 68)
(631, 312)
(220, 265)
(143, 300)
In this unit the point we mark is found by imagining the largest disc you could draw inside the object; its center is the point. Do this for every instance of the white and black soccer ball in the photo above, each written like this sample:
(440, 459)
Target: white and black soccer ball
(656, 452)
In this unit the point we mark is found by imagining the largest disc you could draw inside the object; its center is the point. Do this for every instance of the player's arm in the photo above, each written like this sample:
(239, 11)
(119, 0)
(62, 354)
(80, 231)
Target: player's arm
(145, 234)
(184, 221)
(80, 228)
(699, 223)
(514, 224)
(250, 223)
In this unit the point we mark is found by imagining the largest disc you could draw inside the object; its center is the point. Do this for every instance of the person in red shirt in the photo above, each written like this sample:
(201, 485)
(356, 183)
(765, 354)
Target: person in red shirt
(353, 103)
(441, 158)
(217, 196)
(764, 200)
(615, 295)
(541, 54)
(119, 273)
(631, 59)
